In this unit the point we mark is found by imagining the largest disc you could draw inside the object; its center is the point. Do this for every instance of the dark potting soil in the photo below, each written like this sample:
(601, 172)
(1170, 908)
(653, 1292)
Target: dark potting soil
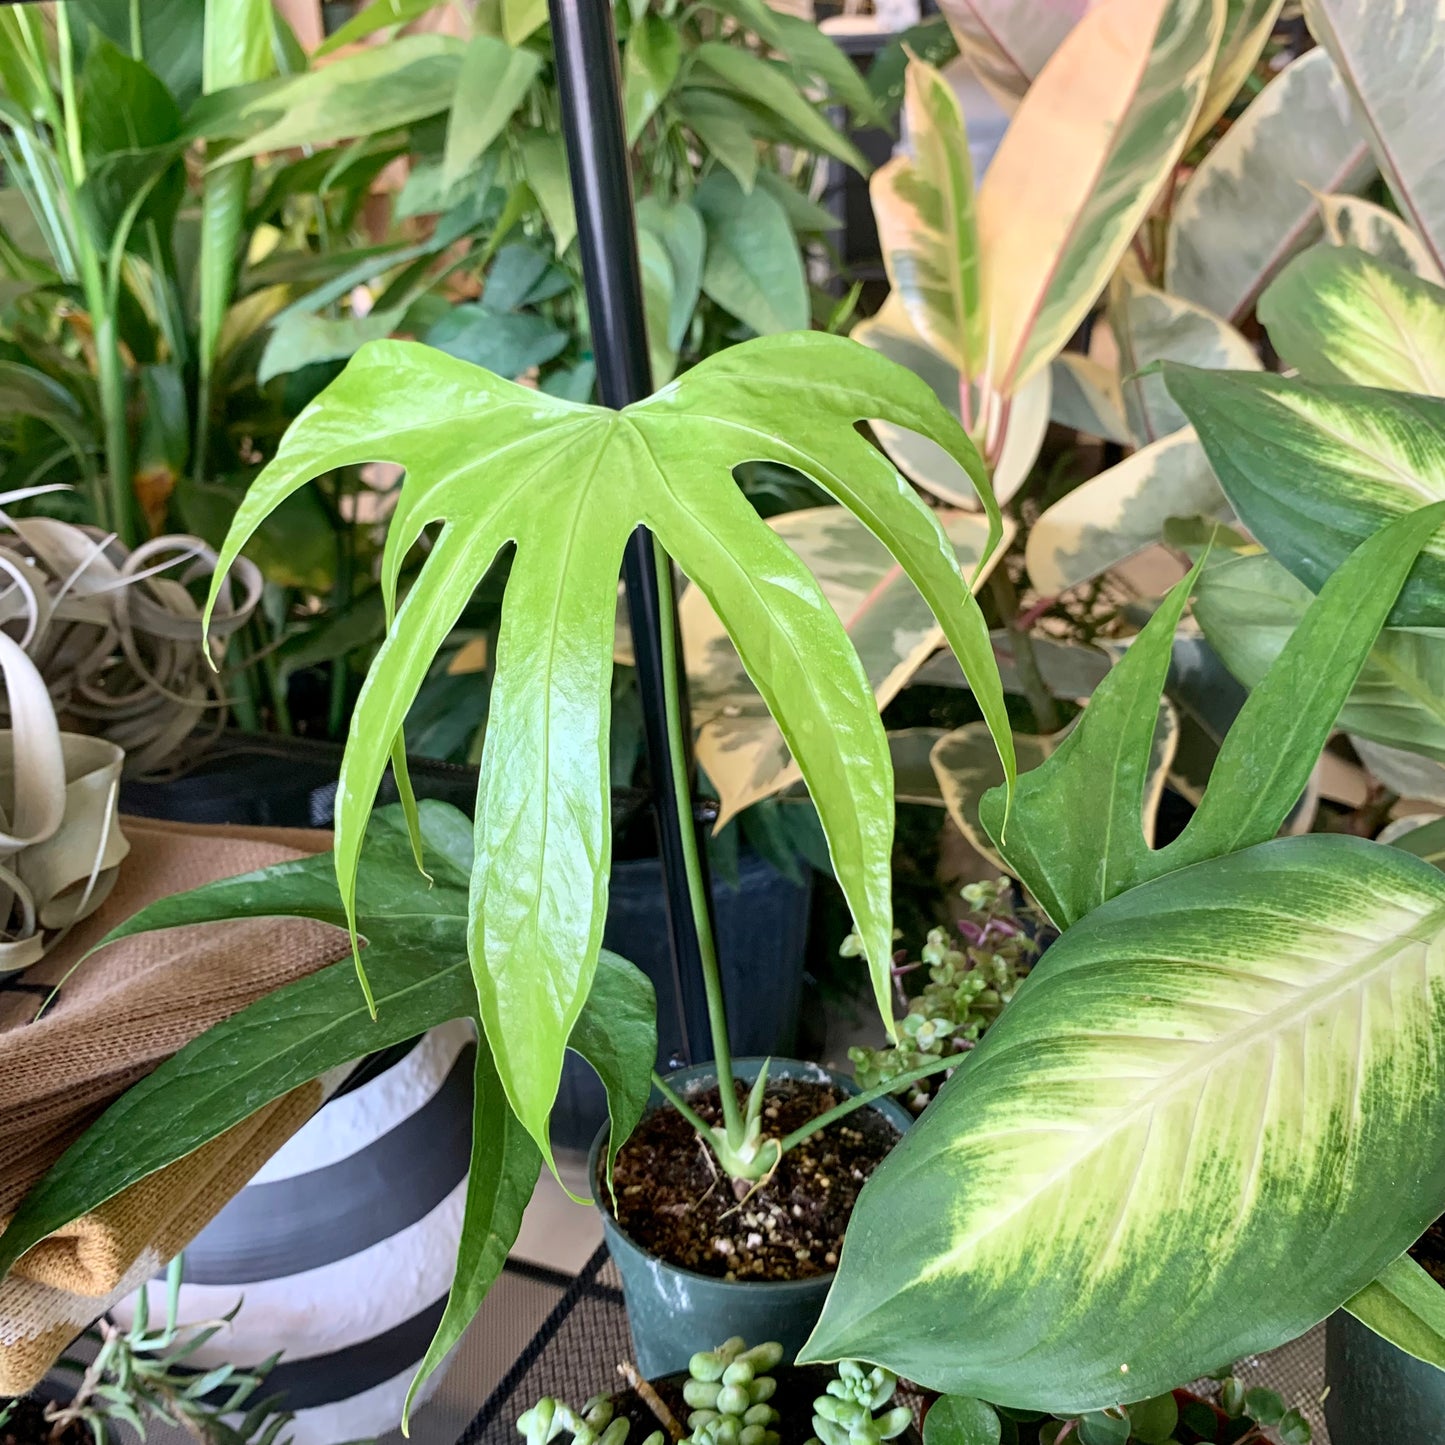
(27, 1425)
(676, 1203)
(1429, 1251)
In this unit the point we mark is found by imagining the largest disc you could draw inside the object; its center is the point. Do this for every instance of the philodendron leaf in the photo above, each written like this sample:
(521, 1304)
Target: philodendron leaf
(1079, 167)
(416, 935)
(923, 204)
(1249, 607)
(496, 463)
(1247, 209)
(1392, 59)
(1350, 221)
(1405, 1306)
(1121, 511)
(740, 747)
(1313, 470)
(1092, 788)
(493, 81)
(1221, 1084)
(1336, 314)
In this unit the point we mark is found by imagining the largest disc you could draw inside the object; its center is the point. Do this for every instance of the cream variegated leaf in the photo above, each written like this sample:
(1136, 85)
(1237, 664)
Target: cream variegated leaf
(1402, 772)
(923, 202)
(1150, 325)
(1249, 208)
(1007, 43)
(1121, 511)
(1336, 314)
(1088, 398)
(1200, 1077)
(1353, 221)
(1078, 168)
(738, 742)
(1247, 27)
(891, 333)
(1391, 55)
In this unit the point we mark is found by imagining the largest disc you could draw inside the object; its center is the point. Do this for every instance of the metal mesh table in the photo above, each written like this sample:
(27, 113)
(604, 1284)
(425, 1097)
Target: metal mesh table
(575, 1353)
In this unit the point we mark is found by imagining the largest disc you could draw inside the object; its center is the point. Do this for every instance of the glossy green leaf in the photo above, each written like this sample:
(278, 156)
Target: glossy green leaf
(379, 15)
(1350, 221)
(1249, 608)
(740, 747)
(770, 86)
(1121, 511)
(1206, 1086)
(1313, 470)
(1095, 781)
(493, 81)
(1405, 1306)
(753, 268)
(961, 1420)
(923, 204)
(1150, 325)
(659, 288)
(1392, 59)
(496, 463)
(1079, 167)
(1336, 314)
(679, 227)
(654, 53)
(1248, 207)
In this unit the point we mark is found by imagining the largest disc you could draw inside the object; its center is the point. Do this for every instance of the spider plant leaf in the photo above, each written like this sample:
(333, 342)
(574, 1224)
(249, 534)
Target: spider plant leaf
(1138, 1124)
(492, 463)
(1340, 315)
(1314, 470)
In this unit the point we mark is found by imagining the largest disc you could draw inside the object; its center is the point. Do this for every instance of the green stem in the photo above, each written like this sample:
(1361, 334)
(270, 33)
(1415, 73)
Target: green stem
(687, 827)
(681, 1105)
(1031, 678)
(857, 1101)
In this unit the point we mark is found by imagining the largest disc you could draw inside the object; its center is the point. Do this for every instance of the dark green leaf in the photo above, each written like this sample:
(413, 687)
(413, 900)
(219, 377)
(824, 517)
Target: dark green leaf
(961, 1420)
(515, 271)
(679, 227)
(1153, 1420)
(1104, 1428)
(1427, 842)
(1293, 1429)
(1263, 1406)
(506, 342)
(172, 34)
(721, 134)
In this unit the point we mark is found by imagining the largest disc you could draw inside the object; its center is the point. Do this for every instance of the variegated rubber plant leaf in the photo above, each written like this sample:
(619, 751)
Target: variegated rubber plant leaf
(740, 747)
(1137, 1129)
(1392, 60)
(1313, 470)
(489, 464)
(1352, 221)
(1248, 207)
(1008, 42)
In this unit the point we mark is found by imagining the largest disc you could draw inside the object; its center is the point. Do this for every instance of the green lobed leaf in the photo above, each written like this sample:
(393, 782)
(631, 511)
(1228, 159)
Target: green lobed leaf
(493, 81)
(495, 463)
(1248, 207)
(1390, 58)
(1407, 1307)
(1221, 1084)
(1336, 314)
(752, 268)
(1314, 470)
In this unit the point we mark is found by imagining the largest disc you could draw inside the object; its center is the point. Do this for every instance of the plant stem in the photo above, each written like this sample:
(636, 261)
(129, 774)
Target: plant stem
(857, 1101)
(696, 892)
(680, 1104)
(1031, 679)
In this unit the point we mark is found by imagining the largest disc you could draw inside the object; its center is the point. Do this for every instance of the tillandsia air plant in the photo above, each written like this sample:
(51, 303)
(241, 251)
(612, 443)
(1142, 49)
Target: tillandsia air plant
(970, 979)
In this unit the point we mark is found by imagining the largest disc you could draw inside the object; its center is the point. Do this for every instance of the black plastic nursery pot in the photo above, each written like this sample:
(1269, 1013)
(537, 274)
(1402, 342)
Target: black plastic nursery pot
(674, 1312)
(1378, 1395)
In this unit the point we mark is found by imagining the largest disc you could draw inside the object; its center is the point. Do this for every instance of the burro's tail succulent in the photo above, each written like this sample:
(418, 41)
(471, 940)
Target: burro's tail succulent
(728, 1390)
(852, 1413)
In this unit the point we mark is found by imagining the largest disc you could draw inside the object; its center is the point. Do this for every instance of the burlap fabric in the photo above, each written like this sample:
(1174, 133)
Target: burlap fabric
(117, 1017)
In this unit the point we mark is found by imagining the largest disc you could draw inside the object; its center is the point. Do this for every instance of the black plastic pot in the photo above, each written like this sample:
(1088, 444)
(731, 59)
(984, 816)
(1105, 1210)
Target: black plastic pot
(675, 1312)
(1378, 1395)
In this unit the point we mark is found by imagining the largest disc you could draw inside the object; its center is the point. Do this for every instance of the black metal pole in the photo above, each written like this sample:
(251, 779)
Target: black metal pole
(585, 49)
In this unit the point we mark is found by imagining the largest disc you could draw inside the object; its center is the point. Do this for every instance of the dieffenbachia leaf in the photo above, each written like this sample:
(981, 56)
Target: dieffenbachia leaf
(1405, 1306)
(1119, 512)
(1313, 470)
(416, 933)
(1249, 608)
(1392, 59)
(1150, 325)
(739, 745)
(1248, 207)
(1079, 166)
(1351, 221)
(923, 201)
(924, 462)
(1074, 834)
(1336, 314)
(494, 463)
(1007, 44)
(1221, 1085)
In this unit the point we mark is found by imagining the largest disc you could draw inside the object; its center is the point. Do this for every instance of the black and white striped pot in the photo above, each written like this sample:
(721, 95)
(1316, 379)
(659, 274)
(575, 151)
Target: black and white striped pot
(341, 1250)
